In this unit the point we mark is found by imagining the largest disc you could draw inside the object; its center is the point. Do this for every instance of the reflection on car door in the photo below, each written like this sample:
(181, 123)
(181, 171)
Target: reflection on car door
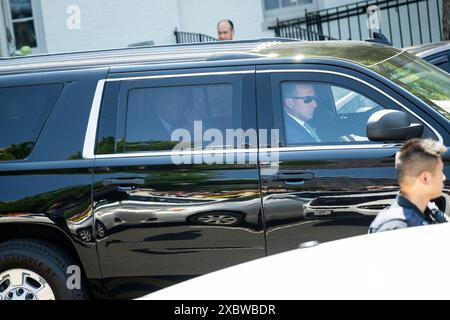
(330, 189)
(164, 221)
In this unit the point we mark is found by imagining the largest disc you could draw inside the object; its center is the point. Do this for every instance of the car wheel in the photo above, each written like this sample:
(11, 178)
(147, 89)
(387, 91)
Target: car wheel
(217, 218)
(36, 270)
(85, 234)
(100, 229)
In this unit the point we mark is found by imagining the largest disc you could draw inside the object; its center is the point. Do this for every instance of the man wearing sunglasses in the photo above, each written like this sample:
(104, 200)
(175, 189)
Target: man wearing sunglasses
(299, 107)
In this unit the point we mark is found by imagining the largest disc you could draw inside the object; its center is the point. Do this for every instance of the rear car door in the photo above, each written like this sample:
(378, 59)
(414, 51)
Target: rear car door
(331, 188)
(160, 218)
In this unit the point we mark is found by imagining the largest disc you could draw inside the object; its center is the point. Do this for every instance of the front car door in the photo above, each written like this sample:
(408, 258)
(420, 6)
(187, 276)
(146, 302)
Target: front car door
(332, 187)
(161, 219)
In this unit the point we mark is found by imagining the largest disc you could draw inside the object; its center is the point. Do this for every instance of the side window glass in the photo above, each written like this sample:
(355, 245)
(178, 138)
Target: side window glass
(442, 61)
(316, 113)
(155, 115)
(23, 112)
(444, 66)
(106, 135)
(348, 101)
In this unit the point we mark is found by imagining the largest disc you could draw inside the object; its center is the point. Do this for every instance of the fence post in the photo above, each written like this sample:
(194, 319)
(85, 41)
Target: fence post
(308, 24)
(319, 27)
(277, 29)
(176, 35)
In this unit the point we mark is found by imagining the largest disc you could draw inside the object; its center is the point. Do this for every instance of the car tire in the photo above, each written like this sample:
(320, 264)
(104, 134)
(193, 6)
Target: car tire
(217, 218)
(37, 270)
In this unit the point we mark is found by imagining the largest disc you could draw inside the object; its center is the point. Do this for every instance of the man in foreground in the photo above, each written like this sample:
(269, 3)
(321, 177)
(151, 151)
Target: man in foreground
(421, 178)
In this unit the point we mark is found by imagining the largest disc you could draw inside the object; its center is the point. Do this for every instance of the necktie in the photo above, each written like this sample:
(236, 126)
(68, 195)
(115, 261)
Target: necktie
(312, 132)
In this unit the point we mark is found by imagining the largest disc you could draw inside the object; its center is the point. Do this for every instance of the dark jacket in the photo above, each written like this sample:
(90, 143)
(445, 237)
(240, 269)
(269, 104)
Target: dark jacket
(402, 214)
(295, 133)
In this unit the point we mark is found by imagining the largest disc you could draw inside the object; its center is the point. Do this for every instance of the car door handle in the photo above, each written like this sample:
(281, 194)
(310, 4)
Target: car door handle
(124, 182)
(295, 177)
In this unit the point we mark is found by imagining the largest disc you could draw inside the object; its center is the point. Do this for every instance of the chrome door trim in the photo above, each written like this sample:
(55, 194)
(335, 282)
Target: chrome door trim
(169, 153)
(170, 76)
(91, 131)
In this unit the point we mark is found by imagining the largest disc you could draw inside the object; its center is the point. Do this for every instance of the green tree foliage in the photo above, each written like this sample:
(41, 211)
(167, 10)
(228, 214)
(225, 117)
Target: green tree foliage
(16, 151)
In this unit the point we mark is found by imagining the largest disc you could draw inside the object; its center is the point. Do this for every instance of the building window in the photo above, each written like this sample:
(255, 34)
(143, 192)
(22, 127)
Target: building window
(22, 19)
(276, 4)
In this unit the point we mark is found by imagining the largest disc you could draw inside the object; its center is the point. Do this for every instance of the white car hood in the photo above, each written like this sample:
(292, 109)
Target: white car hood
(403, 264)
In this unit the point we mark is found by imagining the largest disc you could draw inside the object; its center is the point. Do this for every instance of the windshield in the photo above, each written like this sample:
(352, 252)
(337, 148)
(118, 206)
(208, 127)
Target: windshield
(420, 78)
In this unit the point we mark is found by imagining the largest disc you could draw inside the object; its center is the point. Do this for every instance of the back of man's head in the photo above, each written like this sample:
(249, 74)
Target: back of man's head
(417, 156)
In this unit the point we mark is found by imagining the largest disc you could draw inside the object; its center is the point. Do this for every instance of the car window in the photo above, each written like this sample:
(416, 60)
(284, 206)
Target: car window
(420, 78)
(441, 61)
(348, 101)
(23, 111)
(444, 66)
(316, 113)
(155, 116)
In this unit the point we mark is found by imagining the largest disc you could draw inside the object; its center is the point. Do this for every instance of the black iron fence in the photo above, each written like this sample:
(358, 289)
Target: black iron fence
(189, 37)
(297, 32)
(404, 22)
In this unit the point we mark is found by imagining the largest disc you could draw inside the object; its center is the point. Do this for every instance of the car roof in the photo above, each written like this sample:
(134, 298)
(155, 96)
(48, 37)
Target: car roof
(360, 52)
(273, 49)
(429, 49)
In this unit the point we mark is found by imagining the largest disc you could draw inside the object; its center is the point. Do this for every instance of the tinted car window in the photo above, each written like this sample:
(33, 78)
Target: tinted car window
(154, 114)
(441, 61)
(23, 111)
(444, 66)
(106, 136)
(325, 113)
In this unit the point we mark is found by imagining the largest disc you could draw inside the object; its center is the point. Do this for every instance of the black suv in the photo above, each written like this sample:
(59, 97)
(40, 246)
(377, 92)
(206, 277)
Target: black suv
(125, 171)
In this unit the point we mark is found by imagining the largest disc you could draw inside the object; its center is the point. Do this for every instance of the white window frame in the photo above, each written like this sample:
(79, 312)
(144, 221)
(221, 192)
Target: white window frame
(3, 38)
(38, 27)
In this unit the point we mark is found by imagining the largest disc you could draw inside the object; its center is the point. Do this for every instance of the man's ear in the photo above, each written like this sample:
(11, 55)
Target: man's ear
(425, 177)
(289, 103)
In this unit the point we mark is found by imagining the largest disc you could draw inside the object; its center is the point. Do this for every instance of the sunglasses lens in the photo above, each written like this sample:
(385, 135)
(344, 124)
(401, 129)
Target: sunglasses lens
(307, 99)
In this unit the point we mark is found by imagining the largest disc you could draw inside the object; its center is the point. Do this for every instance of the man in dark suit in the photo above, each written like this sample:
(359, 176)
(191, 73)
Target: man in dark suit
(299, 107)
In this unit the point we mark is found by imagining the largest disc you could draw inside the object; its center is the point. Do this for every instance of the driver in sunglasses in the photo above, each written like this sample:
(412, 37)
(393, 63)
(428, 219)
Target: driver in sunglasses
(299, 107)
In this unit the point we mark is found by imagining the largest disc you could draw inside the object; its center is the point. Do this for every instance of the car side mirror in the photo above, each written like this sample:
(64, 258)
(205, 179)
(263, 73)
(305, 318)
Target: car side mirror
(392, 125)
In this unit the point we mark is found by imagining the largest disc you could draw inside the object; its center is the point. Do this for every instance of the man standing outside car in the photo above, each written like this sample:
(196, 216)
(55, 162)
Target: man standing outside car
(225, 30)
(421, 178)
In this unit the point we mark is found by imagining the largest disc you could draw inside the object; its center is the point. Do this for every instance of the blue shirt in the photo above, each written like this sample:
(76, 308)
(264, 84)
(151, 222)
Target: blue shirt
(403, 213)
